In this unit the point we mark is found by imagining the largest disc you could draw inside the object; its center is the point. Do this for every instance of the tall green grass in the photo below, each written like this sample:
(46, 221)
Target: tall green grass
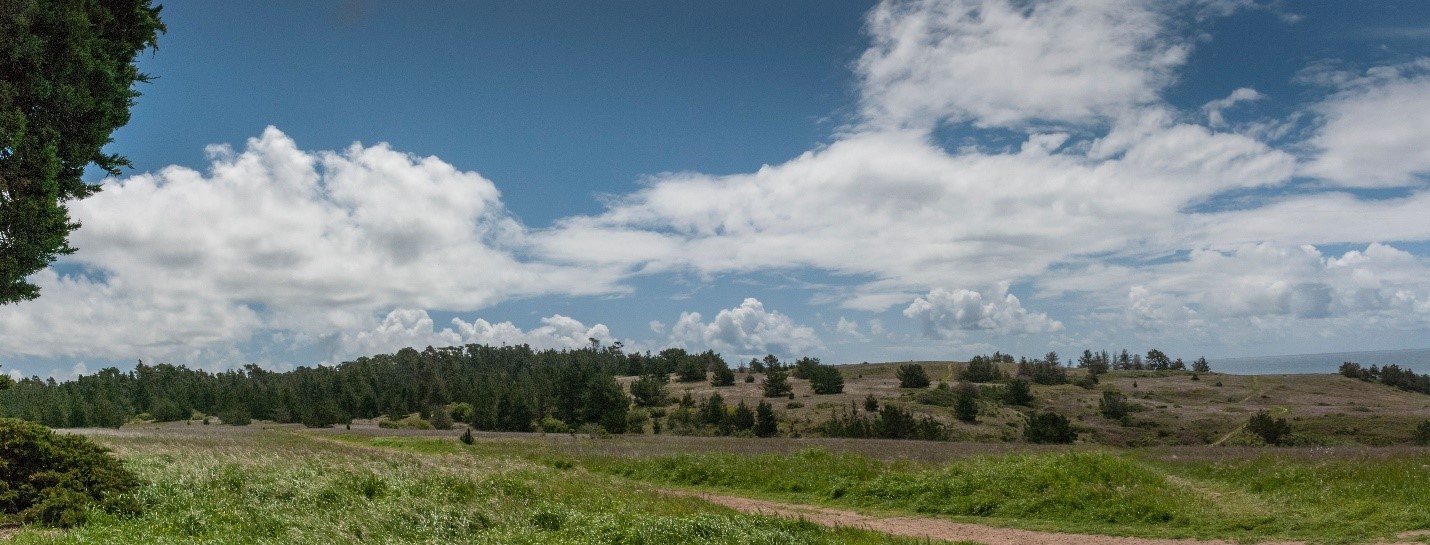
(1337, 500)
(261, 488)
(1088, 487)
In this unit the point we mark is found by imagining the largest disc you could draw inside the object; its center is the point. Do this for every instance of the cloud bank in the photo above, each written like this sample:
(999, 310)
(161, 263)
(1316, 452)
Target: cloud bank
(1113, 211)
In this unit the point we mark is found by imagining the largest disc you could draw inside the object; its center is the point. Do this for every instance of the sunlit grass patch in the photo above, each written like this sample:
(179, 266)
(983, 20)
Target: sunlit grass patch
(280, 487)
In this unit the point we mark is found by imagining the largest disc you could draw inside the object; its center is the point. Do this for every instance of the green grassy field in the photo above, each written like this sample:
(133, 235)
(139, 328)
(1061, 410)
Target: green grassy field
(1319, 495)
(247, 485)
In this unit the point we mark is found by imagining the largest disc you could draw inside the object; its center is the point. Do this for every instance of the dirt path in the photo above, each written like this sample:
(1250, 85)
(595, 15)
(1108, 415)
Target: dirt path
(932, 528)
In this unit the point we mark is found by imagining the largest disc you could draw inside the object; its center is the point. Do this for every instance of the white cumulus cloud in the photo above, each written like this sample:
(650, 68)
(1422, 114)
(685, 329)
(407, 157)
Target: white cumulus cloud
(946, 314)
(275, 237)
(1003, 63)
(1375, 129)
(414, 328)
(746, 330)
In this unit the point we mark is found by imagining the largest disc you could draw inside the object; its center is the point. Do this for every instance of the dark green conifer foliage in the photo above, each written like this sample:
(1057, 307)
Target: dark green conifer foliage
(912, 375)
(825, 380)
(1019, 392)
(744, 418)
(965, 404)
(66, 82)
(1049, 427)
(765, 424)
(776, 382)
(52, 479)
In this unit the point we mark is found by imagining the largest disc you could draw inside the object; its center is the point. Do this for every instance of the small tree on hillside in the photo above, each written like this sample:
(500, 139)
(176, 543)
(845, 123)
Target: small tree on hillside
(804, 368)
(1049, 427)
(871, 403)
(649, 391)
(982, 369)
(1113, 405)
(721, 375)
(765, 424)
(712, 412)
(965, 403)
(1271, 430)
(1422, 433)
(776, 382)
(1158, 360)
(1019, 392)
(912, 375)
(826, 380)
(772, 362)
(1201, 366)
(744, 418)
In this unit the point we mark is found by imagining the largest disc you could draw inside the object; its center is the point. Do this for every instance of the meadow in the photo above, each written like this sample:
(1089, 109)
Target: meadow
(212, 485)
(267, 483)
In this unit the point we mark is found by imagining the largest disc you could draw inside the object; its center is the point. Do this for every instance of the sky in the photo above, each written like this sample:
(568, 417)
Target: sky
(853, 181)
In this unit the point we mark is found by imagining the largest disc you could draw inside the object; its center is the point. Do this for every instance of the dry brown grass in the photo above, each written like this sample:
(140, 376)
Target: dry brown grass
(1325, 409)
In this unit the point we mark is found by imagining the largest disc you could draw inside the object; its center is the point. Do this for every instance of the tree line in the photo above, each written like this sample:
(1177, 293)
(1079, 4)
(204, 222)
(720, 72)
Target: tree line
(508, 388)
(1390, 375)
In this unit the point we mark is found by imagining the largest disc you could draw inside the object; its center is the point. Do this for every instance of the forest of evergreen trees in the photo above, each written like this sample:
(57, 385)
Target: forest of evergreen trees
(508, 388)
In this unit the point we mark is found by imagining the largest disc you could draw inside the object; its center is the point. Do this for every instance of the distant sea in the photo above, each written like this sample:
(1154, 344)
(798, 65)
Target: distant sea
(1417, 360)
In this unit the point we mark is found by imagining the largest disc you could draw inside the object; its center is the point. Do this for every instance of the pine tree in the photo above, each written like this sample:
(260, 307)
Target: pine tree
(776, 382)
(965, 404)
(765, 424)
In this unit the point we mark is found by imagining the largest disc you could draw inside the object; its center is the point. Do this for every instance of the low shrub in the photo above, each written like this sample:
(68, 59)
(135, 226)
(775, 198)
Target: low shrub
(1049, 427)
(410, 422)
(53, 479)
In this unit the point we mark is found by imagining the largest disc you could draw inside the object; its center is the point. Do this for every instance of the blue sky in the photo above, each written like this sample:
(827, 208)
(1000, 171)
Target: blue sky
(856, 181)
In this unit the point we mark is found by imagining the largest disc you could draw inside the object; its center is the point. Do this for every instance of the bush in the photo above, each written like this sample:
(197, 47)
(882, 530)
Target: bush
(1019, 392)
(912, 376)
(649, 391)
(1422, 433)
(777, 383)
(52, 479)
(765, 423)
(410, 422)
(826, 380)
(1270, 430)
(965, 404)
(1113, 405)
(237, 416)
(467, 438)
(441, 419)
(981, 369)
(552, 424)
(1049, 427)
(460, 412)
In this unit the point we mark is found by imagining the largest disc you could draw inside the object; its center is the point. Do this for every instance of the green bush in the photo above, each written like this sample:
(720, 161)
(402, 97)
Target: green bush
(1019, 392)
(1422, 433)
(460, 412)
(826, 380)
(1049, 427)
(1271, 430)
(965, 404)
(1114, 405)
(441, 419)
(410, 422)
(52, 479)
(912, 375)
(552, 424)
(235, 417)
